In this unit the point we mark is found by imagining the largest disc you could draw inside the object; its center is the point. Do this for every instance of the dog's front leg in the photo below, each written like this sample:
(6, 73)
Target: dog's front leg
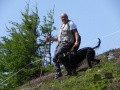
(68, 70)
(74, 72)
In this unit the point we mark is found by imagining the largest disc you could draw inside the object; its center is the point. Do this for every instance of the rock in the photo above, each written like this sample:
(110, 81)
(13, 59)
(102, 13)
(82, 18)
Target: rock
(114, 86)
(111, 56)
(106, 74)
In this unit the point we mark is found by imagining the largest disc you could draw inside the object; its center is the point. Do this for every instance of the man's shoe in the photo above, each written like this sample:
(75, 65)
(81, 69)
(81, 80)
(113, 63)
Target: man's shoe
(58, 74)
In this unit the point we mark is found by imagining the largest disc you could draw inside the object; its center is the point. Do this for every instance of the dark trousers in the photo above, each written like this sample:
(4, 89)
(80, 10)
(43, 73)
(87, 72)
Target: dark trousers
(61, 48)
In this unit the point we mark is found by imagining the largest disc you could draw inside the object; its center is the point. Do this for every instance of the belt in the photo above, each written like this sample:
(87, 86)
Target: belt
(65, 42)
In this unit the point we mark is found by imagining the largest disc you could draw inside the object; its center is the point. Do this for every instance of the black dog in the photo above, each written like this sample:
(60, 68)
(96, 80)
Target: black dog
(71, 60)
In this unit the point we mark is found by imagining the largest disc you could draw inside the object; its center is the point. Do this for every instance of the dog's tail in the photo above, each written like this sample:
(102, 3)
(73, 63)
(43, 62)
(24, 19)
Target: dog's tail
(99, 42)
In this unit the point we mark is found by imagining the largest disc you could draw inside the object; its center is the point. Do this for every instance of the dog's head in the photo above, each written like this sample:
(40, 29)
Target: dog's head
(62, 58)
(66, 57)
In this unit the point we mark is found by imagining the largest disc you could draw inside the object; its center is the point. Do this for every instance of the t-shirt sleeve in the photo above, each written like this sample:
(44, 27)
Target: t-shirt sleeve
(72, 25)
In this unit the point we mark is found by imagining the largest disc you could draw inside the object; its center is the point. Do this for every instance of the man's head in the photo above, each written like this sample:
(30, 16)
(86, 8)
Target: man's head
(64, 18)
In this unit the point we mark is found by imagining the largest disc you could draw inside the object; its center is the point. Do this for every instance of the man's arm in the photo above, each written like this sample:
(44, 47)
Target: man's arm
(51, 39)
(76, 34)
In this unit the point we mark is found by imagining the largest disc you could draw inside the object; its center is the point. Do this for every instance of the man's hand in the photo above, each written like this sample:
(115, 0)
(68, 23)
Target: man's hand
(47, 39)
(75, 45)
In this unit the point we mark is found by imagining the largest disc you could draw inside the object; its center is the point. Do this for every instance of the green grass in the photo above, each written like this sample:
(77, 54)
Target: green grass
(96, 78)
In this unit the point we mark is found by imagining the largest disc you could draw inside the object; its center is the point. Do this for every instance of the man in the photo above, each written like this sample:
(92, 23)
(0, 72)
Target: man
(69, 40)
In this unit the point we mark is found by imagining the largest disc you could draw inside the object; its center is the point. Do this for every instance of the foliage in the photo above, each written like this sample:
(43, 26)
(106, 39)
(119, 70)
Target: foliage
(48, 68)
(18, 51)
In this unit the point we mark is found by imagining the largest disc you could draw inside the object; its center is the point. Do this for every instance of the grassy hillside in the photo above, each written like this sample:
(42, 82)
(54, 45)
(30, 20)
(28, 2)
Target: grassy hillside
(105, 76)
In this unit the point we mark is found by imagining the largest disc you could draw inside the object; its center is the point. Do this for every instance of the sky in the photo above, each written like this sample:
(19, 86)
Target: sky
(93, 18)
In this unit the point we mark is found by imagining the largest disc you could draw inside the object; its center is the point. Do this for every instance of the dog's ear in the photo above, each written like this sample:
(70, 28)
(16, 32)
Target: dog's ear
(60, 56)
(73, 53)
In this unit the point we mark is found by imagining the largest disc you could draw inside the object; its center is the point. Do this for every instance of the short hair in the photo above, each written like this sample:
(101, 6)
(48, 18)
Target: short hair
(64, 14)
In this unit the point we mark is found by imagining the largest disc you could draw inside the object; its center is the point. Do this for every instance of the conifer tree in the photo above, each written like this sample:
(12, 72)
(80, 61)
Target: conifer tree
(19, 51)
